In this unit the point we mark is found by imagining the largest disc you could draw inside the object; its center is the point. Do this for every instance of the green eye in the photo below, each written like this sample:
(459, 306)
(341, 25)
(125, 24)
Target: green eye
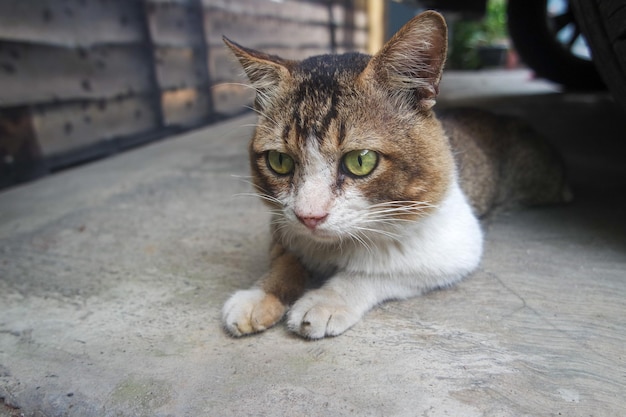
(279, 162)
(360, 162)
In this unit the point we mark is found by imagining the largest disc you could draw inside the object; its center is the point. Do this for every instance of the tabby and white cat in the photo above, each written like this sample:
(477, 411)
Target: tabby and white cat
(371, 199)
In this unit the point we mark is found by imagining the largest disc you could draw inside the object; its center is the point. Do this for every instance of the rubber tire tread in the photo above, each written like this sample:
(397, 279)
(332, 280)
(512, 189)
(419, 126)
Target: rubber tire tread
(604, 24)
(540, 50)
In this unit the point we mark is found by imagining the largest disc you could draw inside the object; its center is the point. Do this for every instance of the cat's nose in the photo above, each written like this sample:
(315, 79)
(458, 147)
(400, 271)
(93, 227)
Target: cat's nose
(312, 221)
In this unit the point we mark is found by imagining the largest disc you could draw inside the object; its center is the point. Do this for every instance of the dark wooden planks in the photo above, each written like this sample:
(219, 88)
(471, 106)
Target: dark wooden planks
(40, 73)
(93, 75)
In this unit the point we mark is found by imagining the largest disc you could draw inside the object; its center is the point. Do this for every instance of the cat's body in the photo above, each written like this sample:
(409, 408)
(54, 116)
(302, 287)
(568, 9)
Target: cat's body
(364, 183)
(502, 162)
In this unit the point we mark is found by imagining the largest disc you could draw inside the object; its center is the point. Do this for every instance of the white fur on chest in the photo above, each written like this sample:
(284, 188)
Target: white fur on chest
(434, 251)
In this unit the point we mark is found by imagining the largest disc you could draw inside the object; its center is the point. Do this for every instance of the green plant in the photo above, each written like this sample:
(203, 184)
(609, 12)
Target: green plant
(463, 42)
(493, 26)
(468, 36)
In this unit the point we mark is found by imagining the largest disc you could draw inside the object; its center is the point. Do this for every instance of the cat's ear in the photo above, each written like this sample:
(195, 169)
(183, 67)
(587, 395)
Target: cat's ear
(410, 64)
(264, 71)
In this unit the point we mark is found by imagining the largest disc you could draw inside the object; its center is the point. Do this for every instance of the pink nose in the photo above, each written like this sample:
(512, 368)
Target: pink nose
(312, 221)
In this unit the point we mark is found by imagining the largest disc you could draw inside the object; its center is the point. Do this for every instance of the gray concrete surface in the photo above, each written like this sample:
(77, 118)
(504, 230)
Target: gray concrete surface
(112, 276)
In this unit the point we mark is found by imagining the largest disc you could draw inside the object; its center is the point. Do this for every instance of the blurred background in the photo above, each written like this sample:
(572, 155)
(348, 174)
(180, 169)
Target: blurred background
(83, 79)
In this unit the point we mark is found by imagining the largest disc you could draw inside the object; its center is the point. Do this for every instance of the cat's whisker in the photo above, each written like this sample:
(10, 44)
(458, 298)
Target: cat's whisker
(259, 93)
(245, 195)
(269, 198)
(260, 191)
(394, 215)
(248, 86)
(266, 129)
(361, 240)
(245, 179)
(386, 233)
(254, 194)
(262, 114)
(415, 207)
(262, 95)
(277, 213)
(265, 197)
(278, 226)
(402, 204)
(257, 126)
(278, 222)
(389, 211)
(340, 244)
(387, 220)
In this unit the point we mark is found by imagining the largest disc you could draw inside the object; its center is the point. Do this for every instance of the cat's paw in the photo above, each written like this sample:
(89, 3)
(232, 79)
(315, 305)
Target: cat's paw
(251, 311)
(321, 313)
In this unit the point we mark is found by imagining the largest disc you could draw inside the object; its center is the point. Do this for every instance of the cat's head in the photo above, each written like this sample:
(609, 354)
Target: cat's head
(347, 146)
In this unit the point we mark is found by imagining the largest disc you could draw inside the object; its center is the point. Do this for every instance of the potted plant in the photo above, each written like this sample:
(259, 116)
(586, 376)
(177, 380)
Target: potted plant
(479, 44)
(492, 41)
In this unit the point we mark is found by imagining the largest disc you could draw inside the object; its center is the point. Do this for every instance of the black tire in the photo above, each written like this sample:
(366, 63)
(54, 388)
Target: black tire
(604, 25)
(534, 35)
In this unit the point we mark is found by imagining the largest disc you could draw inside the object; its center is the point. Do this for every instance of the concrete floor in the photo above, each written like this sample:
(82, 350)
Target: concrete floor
(112, 277)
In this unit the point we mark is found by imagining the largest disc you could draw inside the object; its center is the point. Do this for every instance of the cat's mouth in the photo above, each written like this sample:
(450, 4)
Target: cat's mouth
(319, 233)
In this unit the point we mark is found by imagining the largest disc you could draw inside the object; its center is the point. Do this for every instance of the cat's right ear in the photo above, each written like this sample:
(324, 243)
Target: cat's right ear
(264, 71)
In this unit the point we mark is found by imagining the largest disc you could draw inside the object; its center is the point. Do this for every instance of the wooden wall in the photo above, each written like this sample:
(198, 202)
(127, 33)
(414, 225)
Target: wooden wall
(80, 79)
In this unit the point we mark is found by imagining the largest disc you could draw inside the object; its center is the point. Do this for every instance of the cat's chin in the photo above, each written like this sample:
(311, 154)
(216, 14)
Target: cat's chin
(319, 235)
(323, 236)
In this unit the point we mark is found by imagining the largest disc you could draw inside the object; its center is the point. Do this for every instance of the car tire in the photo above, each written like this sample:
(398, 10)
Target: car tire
(604, 25)
(535, 39)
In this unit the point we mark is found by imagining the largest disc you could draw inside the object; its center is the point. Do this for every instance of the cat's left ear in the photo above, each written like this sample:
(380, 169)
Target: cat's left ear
(410, 64)
(264, 71)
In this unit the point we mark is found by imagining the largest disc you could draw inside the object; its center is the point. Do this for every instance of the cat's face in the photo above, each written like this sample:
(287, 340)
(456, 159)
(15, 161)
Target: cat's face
(344, 151)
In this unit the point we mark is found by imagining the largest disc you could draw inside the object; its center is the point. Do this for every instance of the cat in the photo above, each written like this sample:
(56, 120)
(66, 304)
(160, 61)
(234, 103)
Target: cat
(372, 198)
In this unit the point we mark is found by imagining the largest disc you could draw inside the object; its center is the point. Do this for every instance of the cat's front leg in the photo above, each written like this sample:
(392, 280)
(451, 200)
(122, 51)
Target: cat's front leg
(335, 307)
(259, 308)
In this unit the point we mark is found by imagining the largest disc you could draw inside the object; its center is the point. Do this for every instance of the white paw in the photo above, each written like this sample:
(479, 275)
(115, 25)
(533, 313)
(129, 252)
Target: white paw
(251, 311)
(322, 313)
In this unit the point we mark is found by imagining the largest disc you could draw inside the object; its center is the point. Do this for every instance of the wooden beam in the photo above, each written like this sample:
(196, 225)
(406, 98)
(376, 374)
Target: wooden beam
(377, 22)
